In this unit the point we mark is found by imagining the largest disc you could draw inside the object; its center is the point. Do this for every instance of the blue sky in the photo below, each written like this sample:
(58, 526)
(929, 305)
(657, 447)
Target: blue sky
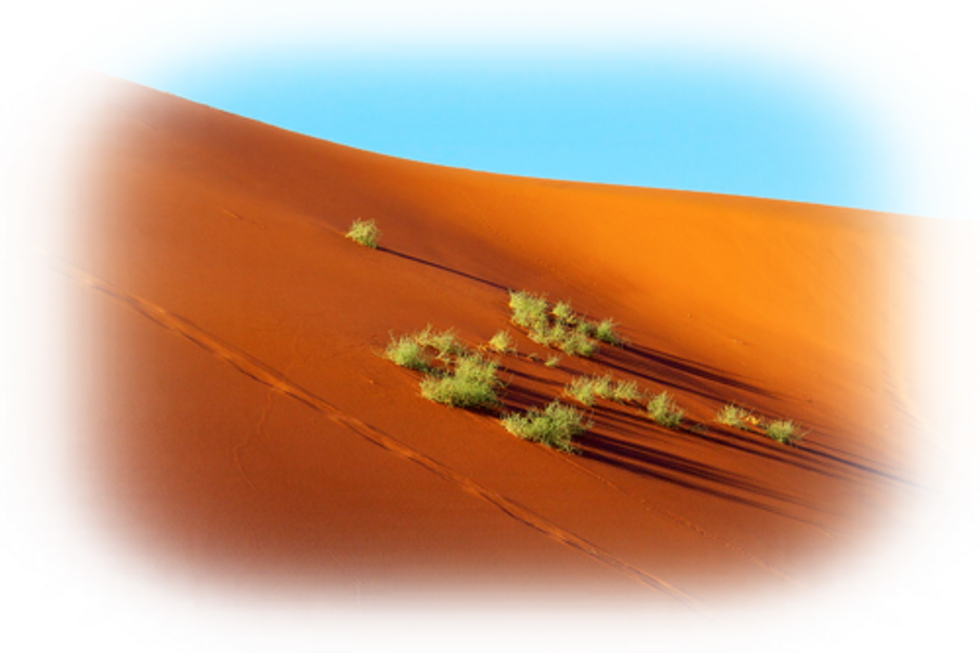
(659, 120)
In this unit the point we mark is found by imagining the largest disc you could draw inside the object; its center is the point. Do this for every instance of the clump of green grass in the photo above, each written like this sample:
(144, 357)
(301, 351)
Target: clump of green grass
(606, 332)
(663, 410)
(502, 342)
(734, 416)
(552, 361)
(626, 391)
(446, 343)
(407, 352)
(549, 335)
(576, 344)
(568, 331)
(784, 431)
(365, 232)
(472, 383)
(528, 310)
(586, 328)
(586, 389)
(555, 426)
(563, 311)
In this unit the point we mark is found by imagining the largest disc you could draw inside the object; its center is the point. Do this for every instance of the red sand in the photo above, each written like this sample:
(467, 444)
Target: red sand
(243, 424)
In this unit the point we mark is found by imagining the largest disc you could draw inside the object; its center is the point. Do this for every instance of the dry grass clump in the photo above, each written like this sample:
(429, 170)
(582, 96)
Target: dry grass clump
(463, 378)
(365, 232)
(446, 343)
(552, 361)
(585, 389)
(564, 313)
(576, 344)
(555, 426)
(784, 431)
(734, 416)
(606, 332)
(471, 383)
(663, 410)
(502, 342)
(626, 392)
(528, 310)
(559, 326)
(407, 352)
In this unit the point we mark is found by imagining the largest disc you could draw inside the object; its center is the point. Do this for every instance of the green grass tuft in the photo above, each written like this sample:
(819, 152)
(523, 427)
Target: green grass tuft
(563, 311)
(734, 416)
(502, 342)
(528, 310)
(407, 352)
(576, 344)
(365, 232)
(663, 410)
(472, 383)
(552, 361)
(626, 392)
(555, 426)
(606, 332)
(586, 389)
(446, 343)
(784, 431)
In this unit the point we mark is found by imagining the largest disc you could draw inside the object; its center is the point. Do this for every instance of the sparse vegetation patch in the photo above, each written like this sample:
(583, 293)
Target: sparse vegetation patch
(606, 332)
(626, 392)
(502, 342)
(365, 232)
(555, 426)
(734, 416)
(586, 389)
(560, 326)
(446, 343)
(472, 383)
(528, 310)
(663, 410)
(784, 431)
(407, 352)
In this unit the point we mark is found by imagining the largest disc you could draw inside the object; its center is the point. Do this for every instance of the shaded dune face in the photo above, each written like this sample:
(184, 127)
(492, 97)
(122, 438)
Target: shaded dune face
(240, 421)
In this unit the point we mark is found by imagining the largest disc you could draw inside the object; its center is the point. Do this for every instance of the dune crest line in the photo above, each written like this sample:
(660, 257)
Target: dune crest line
(270, 377)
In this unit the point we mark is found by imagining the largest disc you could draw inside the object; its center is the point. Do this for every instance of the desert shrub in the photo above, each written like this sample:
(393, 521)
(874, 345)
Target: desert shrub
(552, 361)
(784, 431)
(606, 332)
(472, 383)
(576, 344)
(407, 352)
(585, 389)
(734, 416)
(580, 389)
(365, 232)
(568, 331)
(528, 310)
(603, 387)
(626, 391)
(502, 342)
(586, 328)
(563, 311)
(555, 426)
(663, 410)
(549, 335)
(446, 343)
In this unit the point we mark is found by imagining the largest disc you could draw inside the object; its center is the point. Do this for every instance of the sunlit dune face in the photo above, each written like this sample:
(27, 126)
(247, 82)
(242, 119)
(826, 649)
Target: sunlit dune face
(209, 435)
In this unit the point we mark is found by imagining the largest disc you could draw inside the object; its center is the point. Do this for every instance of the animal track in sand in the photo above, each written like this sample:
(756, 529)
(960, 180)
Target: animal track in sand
(270, 377)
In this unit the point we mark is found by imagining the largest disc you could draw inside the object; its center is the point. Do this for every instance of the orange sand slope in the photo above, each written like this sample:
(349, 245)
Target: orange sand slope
(241, 422)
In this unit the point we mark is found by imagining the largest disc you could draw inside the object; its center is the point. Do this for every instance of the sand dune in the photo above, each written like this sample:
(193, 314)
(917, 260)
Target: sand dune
(243, 423)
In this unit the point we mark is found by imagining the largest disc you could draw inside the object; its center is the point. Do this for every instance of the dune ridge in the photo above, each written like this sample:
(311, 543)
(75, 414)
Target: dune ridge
(229, 235)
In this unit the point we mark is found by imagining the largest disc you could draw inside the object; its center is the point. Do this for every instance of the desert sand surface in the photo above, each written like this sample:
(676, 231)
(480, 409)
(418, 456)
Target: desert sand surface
(240, 422)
